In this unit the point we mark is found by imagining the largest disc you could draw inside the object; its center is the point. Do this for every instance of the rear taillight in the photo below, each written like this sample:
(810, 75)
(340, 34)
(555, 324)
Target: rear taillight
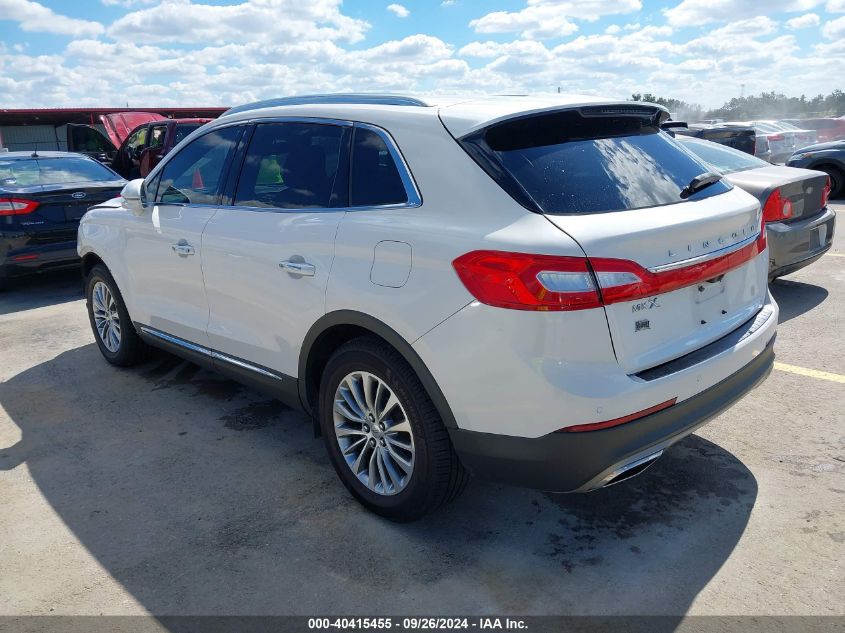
(777, 207)
(776, 137)
(16, 206)
(520, 281)
(826, 193)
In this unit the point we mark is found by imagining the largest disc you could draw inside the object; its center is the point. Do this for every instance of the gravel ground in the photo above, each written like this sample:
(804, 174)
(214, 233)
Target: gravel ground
(166, 489)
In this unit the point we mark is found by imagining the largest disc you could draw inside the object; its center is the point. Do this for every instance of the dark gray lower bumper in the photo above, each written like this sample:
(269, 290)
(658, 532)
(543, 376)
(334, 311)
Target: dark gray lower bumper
(578, 462)
(797, 244)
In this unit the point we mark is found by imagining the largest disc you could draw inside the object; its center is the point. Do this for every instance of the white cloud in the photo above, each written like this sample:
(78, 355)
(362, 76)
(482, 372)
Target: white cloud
(835, 6)
(258, 20)
(834, 29)
(398, 10)
(544, 19)
(803, 21)
(35, 17)
(126, 3)
(698, 12)
(612, 29)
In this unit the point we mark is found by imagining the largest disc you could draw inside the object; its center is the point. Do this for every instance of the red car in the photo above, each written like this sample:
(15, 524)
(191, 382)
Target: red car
(136, 141)
(828, 129)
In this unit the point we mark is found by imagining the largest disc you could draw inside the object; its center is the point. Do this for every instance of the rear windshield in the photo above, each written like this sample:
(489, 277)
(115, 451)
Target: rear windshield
(564, 163)
(51, 171)
(723, 160)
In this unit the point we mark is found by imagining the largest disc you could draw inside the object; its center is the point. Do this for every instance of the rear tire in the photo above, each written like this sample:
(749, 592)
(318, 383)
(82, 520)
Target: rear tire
(383, 434)
(113, 330)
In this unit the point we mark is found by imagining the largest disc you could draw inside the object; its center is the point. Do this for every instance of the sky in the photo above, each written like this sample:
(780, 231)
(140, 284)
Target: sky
(66, 53)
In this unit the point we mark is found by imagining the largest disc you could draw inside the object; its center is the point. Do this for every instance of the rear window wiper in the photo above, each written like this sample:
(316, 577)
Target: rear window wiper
(700, 182)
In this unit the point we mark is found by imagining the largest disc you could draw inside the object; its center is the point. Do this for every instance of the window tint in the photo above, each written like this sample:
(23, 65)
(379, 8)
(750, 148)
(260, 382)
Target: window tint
(183, 129)
(569, 163)
(375, 177)
(51, 171)
(294, 166)
(192, 176)
(723, 159)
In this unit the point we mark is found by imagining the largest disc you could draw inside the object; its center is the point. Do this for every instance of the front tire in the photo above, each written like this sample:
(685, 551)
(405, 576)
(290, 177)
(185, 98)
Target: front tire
(837, 181)
(113, 329)
(383, 434)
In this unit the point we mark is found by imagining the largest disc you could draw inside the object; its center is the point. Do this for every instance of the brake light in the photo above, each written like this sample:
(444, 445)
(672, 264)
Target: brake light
(17, 206)
(777, 207)
(826, 193)
(520, 281)
(776, 137)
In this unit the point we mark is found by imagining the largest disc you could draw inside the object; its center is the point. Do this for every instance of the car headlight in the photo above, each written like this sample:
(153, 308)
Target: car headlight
(800, 156)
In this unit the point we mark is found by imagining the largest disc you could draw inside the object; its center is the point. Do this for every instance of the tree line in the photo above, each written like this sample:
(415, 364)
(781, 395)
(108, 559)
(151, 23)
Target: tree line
(766, 105)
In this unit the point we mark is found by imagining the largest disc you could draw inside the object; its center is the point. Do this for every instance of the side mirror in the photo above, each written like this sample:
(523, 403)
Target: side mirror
(133, 196)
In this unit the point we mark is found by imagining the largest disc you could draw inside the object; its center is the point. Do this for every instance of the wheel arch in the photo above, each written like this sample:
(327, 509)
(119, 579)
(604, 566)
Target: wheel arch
(335, 328)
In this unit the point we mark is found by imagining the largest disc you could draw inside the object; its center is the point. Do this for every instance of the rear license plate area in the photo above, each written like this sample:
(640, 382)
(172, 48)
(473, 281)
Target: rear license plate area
(710, 300)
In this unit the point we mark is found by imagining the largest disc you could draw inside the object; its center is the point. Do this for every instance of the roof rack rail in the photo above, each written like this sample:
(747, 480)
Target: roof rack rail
(350, 98)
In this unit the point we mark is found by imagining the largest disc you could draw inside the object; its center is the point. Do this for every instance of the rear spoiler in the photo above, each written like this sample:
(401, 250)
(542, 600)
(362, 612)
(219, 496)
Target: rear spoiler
(671, 126)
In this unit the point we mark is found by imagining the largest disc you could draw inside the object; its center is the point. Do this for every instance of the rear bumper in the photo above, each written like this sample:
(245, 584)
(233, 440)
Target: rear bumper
(18, 259)
(579, 462)
(797, 244)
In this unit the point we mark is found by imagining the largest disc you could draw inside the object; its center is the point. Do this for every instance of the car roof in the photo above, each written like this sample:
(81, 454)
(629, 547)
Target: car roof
(461, 114)
(32, 154)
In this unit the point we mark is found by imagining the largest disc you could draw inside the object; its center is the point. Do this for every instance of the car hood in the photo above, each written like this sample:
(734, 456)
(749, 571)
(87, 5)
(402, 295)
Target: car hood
(119, 125)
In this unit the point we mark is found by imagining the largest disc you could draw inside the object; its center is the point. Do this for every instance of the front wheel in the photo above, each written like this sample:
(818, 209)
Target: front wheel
(113, 329)
(837, 181)
(383, 434)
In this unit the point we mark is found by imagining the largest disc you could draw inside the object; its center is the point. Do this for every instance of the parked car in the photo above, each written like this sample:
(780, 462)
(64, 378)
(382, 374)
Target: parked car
(799, 224)
(543, 291)
(803, 136)
(826, 157)
(781, 142)
(42, 197)
(137, 140)
(827, 129)
(741, 137)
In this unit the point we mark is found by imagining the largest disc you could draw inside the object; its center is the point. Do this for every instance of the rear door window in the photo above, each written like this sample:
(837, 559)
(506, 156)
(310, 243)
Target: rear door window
(295, 166)
(567, 162)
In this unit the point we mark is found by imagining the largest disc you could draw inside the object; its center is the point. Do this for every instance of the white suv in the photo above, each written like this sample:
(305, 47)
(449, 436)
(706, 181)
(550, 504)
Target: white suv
(543, 291)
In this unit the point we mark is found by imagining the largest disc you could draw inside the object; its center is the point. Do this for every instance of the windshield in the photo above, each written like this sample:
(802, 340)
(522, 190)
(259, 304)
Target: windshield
(568, 163)
(51, 171)
(724, 160)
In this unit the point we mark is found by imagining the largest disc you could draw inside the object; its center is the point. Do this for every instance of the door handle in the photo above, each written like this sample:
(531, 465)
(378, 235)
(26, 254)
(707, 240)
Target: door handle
(303, 269)
(183, 249)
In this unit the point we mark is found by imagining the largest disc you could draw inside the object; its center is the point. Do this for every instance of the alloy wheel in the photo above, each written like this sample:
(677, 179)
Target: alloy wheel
(106, 317)
(373, 433)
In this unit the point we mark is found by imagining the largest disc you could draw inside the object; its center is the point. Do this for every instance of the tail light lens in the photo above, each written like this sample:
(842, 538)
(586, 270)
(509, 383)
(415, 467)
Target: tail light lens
(16, 206)
(521, 281)
(776, 137)
(826, 193)
(777, 207)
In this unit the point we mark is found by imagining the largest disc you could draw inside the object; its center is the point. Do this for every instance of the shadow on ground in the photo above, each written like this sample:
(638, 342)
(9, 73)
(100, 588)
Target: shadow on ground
(37, 291)
(794, 298)
(202, 497)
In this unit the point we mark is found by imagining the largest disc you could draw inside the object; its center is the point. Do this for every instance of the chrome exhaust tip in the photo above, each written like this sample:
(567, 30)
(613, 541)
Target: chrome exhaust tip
(630, 469)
